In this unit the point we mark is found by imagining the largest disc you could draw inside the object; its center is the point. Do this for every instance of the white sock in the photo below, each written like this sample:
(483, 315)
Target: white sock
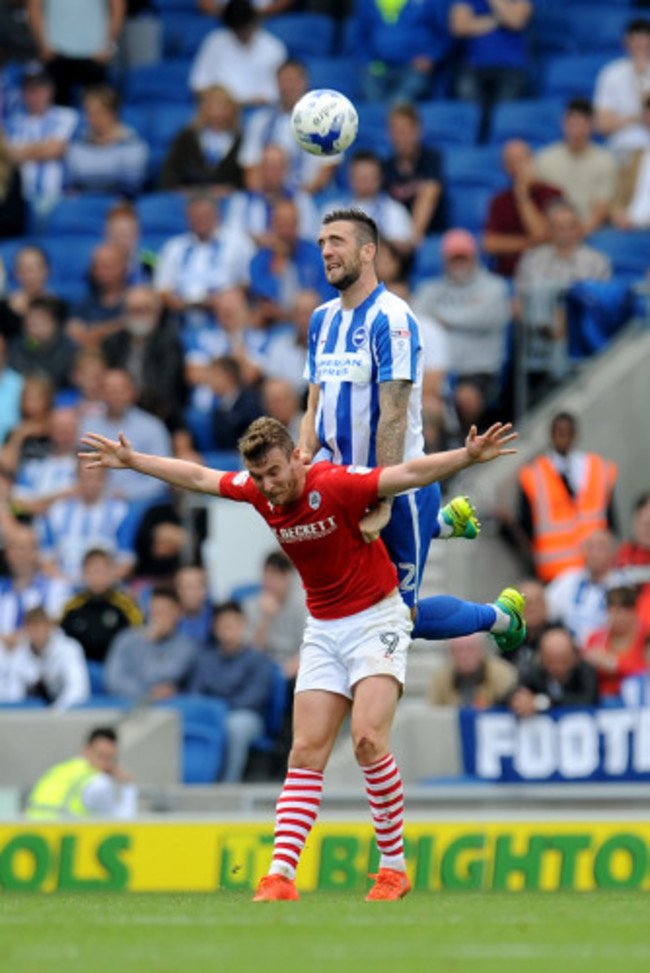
(446, 530)
(503, 620)
(396, 862)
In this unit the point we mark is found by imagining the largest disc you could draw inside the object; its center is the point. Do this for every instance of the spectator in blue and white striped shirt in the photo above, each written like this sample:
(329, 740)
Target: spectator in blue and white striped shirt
(27, 586)
(38, 139)
(91, 519)
(108, 156)
(194, 266)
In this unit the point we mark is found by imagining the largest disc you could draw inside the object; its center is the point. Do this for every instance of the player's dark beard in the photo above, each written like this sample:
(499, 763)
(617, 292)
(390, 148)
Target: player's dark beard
(348, 279)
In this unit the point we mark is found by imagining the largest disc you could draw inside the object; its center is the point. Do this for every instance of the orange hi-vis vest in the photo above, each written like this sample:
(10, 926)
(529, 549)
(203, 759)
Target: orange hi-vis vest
(561, 523)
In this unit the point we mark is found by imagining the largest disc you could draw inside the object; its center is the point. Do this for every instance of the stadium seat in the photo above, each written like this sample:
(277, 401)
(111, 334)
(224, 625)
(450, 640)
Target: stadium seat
(473, 166)
(341, 73)
(70, 256)
(184, 31)
(538, 122)
(449, 122)
(428, 260)
(96, 675)
(77, 214)
(196, 709)
(305, 34)
(468, 207)
(572, 75)
(627, 249)
(104, 701)
(601, 27)
(243, 591)
(373, 130)
(30, 702)
(203, 753)
(182, 5)
(199, 423)
(166, 81)
(138, 117)
(275, 712)
(166, 121)
(162, 213)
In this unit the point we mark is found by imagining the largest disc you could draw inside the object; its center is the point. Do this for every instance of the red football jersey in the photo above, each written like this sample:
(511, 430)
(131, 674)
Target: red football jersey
(341, 574)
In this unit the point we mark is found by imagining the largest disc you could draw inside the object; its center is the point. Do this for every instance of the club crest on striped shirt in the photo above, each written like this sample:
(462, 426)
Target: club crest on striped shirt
(359, 337)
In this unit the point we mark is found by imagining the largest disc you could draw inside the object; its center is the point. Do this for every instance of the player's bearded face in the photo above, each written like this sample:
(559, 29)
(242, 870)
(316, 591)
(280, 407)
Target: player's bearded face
(343, 271)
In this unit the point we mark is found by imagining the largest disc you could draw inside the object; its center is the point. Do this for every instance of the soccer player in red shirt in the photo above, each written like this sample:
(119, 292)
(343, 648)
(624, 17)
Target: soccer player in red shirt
(353, 655)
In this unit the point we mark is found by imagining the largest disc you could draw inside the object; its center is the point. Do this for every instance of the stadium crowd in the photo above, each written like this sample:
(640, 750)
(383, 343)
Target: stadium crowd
(158, 230)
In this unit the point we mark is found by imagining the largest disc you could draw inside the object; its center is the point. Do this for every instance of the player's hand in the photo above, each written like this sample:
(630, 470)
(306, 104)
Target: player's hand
(305, 457)
(490, 444)
(111, 453)
(372, 523)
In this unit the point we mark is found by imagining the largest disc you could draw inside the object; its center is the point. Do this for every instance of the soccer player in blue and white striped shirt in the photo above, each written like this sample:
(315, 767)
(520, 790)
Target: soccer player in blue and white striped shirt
(364, 408)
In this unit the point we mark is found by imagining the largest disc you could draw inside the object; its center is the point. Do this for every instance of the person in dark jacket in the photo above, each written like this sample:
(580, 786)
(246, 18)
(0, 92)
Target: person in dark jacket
(43, 348)
(560, 677)
(205, 152)
(242, 677)
(237, 405)
(101, 610)
(148, 348)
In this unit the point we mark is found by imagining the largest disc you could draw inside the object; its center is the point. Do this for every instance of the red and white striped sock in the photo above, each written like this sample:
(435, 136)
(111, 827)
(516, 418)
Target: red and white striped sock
(386, 798)
(295, 813)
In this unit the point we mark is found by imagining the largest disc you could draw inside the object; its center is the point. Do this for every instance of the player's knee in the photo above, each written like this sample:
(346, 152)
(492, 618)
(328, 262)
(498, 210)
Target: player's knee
(305, 755)
(367, 748)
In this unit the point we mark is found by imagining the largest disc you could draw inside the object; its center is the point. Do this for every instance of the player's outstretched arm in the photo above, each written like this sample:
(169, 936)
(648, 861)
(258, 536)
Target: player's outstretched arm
(428, 469)
(120, 455)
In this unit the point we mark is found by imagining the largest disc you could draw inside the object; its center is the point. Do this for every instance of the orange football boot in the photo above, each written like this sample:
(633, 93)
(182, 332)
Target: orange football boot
(276, 888)
(389, 885)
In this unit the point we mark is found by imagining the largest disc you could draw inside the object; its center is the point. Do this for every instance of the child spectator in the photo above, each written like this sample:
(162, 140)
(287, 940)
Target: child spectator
(43, 348)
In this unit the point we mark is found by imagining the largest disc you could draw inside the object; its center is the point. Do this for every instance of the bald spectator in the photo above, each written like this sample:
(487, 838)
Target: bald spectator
(100, 314)
(620, 88)
(196, 265)
(516, 218)
(559, 677)
(544, 274)
(584, 171)
(149, 349)
(472, 675)
(473, 306)
(146, 432)
(577, 597)
(241, 55)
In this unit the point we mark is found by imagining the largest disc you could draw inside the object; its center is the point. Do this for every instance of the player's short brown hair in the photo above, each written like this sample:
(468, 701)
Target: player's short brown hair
(261, 437)
(364, 226)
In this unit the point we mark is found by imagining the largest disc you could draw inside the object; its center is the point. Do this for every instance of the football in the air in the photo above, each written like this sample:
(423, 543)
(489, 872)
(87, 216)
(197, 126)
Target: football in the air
(324, 122)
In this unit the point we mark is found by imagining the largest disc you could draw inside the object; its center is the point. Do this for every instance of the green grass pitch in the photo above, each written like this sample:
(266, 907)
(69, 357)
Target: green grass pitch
(442, 932)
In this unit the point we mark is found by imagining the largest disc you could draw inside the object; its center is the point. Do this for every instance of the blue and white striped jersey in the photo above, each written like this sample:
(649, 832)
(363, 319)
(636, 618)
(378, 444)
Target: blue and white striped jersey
(42, 178)
(351, 352)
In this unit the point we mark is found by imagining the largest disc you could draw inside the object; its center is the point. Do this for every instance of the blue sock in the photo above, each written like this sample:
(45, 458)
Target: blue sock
(444, 617)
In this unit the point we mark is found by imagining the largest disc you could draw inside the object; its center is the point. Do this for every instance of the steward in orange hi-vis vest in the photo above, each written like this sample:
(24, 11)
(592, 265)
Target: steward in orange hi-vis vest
(561, 522)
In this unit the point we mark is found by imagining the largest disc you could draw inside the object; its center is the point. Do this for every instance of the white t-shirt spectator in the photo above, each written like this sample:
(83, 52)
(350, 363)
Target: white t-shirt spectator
(61, 668)
(251, 213)
(249, 71)
(578, 603)
(193, 268)
(621, 90)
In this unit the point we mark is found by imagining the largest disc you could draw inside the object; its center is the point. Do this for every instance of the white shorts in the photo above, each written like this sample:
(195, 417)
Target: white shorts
(336, 653)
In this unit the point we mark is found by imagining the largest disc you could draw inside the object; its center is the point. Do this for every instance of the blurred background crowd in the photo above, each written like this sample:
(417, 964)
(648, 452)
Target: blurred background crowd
(159, 267)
